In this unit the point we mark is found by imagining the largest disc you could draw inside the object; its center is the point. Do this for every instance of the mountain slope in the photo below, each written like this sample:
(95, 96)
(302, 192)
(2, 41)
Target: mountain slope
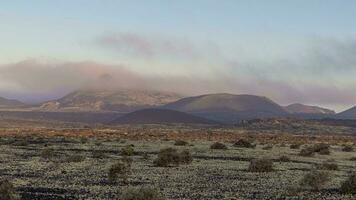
(159, 116)
(347, 114)
(121, 101)
(228, 107)
(305, 109)
(10, 103)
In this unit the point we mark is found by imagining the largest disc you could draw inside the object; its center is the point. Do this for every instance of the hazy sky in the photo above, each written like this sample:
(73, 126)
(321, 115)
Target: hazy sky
(291, 51)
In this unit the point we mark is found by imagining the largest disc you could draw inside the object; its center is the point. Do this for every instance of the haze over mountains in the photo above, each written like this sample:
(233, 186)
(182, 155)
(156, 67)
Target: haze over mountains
(221, 107)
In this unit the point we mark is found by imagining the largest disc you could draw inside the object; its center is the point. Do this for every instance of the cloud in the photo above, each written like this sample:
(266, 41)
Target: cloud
(148, 47)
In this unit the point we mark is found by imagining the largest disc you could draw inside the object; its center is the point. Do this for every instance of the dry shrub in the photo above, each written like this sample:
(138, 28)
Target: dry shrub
(294, 146)
(315, 180)
(7, 191)
(284, 159)
(268, 147)
(218, 145)
(180, 143)
(121, 169)
(171, 157)
(261, 165)
(347, 148)
(141, 194)
(307, 152)
(47, 154)
(98, 154)
(328, 165)
(128, 150)
(349, 185)
(322, 149)
(244, 144)
(75, 158)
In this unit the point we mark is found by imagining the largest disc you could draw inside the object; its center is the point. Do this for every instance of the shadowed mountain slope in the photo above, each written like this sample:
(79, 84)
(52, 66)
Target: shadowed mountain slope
(228, 108)
(160, 116)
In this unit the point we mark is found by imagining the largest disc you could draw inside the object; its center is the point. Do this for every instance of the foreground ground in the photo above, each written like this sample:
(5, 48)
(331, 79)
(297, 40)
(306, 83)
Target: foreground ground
(213, 174)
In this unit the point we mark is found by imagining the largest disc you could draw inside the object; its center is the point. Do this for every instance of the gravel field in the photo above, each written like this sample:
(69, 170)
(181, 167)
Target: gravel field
(213, 174)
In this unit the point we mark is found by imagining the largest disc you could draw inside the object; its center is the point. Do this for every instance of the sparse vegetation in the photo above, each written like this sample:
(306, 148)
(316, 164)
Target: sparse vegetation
(75, 158)
(7, 191)
(47, 153)
(315, 179)
(171, 157)
(180, 143)
(244, 144)
(218, 145)
(128, 150)
(120, 170)
(261, 165)
(347, 148)
(307, 152)
(141, 194)
(349, 185)
(294, 146)
(284, 159)
(328, 165)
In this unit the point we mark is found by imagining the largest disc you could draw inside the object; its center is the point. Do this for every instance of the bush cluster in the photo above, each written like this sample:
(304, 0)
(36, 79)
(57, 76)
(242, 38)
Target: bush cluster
(121, 169)
(141, 194)
(218, 145)
(180, 143)
(171, 157)
(261, 165)
(244, 144)
(315, 179)
(7, 191)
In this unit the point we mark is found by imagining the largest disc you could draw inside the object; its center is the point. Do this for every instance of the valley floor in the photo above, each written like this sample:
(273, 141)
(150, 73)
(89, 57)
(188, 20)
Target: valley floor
(75, 171)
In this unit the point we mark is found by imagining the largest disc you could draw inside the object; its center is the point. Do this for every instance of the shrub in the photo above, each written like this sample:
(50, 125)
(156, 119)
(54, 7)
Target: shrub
(315, 180)
(244, 144)
(127, 150)
(349, 186)
(185, 157)
(328, 165)
(7, 191)
(347, 148)
(98, 154)
(261, 165)
(141, 194)
(218, 145)
(353, 159)
(284, 159)
(267, 147)
(180, 143)
(75, 158)
(307, 152)
(323, 149)
(121, 169)
(171, 157)
(294, 146)
(47, 154)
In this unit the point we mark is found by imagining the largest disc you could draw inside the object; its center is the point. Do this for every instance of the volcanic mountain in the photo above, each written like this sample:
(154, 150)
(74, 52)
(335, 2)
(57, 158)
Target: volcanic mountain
(305, 109)
(10, 103)
(160, 116)
(118, 100)
(228, 108)
(347, 114)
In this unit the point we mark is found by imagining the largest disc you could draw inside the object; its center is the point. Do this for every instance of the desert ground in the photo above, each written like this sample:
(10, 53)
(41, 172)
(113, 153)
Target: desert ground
(75, 163)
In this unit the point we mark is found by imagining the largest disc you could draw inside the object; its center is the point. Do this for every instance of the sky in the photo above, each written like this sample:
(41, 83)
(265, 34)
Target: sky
(290, 51)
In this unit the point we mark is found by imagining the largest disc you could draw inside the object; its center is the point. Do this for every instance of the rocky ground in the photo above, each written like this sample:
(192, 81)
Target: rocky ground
(213, 174)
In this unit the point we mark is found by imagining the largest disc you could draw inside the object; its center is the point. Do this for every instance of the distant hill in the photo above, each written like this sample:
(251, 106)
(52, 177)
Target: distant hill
(10, 103)
(347, 114)
(305, 109)
(160, 116)
(228, 108)
(120, 101)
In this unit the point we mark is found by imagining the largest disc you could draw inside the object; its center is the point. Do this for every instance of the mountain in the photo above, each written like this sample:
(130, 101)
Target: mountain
(10, 103)
(347, 114)
(160, 116)
(305, 109)
(119, 100)
(228, 108)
